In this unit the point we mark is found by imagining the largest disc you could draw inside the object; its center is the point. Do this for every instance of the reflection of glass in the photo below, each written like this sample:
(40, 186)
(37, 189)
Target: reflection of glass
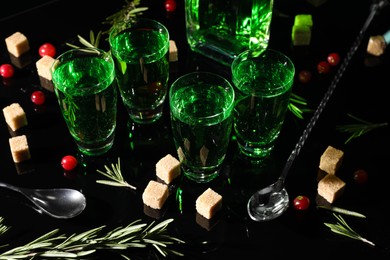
(201, 114)
(223, 29)
(140, 51)
(264, 80)
(86, 92)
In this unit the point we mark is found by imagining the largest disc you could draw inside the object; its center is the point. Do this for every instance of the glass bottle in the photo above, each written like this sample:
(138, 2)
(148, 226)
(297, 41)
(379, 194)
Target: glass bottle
(221, 29)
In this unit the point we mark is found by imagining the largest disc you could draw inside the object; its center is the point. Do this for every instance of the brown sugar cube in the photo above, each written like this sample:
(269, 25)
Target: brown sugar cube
(376, 45)
(331, 187)
(208, 203)
(43, 66)
(19, 148)
(17, 44)
(331, 160)
(15, 116)
(155, 194)
(168, 168)
(173, 56)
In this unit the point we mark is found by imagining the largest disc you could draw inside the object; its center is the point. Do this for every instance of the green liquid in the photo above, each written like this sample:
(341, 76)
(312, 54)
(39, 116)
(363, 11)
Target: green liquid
(259, 112)
(223, 29)
(142, 71)
(87, 98)
(201, 141)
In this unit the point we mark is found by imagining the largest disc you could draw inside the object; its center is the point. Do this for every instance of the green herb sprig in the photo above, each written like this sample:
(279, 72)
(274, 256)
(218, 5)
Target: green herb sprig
(298, 105)
(128, 13)
(115, 174)
(137, 235)
(342, 228)
(358, 129)
(342, 211)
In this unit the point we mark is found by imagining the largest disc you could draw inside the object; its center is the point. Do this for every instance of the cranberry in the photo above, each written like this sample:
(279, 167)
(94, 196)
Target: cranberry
(47, 49)
(170, 5)
(333, 59)
(360, 176)
(7, 70)
(38, 97)
(69, 162)
(301, 202)
(323, 67)
(304, 76)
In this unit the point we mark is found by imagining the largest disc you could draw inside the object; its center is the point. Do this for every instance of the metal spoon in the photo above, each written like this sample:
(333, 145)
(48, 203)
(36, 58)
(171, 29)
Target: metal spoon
(270, 202)
(58, 203)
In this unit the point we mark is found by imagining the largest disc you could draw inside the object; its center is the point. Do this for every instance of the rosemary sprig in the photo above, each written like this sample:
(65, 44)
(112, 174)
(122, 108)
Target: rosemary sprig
(93, 41)
(342, 228)
(342, 211)
(128, 13)
(115, 174)
(69, 107)
(135, 235)
(298, 105)
(358, 129)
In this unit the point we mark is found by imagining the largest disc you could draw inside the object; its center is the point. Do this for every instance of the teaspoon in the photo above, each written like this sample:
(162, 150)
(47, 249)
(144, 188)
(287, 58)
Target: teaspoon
(271, 201)
(58, 203)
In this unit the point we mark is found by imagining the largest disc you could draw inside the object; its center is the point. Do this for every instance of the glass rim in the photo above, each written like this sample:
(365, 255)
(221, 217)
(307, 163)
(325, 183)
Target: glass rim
(259, 53)
(227, 86)
(153, 24)
(88, 52)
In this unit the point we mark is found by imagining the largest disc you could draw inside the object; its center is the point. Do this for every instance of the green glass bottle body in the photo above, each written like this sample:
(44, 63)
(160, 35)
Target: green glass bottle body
(222, 29)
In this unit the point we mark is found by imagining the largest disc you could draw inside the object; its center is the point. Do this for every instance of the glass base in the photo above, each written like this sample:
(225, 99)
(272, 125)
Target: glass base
(96, 149)
(256, 153)
(201, 177)
(146, 116)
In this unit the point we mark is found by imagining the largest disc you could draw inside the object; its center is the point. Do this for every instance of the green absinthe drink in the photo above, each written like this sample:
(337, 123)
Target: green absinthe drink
(264, 82)
(85, 88)
(140, 52)
(201, 117)
(222, 29)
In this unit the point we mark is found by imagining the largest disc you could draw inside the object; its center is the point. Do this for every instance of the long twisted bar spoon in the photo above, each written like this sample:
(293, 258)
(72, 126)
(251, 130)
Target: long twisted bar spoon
(58, 203)
(270, 202)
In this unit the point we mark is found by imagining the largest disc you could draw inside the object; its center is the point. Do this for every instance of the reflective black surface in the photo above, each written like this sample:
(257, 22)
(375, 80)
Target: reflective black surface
(362, 92)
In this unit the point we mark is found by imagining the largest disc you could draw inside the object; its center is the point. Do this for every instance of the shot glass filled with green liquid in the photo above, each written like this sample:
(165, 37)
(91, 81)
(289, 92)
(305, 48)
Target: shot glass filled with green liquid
(263, 78)
(140, 50)
(84, 83)
(201, 105)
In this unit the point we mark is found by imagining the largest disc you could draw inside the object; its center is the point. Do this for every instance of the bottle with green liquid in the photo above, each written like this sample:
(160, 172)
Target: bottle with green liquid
(221, 29)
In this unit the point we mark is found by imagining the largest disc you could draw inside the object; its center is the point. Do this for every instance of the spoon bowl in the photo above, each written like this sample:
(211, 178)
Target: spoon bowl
(269, 202)
(58, 203)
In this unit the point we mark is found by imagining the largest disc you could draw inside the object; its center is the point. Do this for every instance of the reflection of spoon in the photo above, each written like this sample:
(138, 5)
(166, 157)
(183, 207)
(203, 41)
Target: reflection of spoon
(58, 203)
(270, 202)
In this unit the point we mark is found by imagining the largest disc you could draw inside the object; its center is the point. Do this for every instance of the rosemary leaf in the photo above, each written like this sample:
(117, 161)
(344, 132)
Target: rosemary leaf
(358, 129)
(342, 211)
(342, 228)
(115, 175)
(298, 105)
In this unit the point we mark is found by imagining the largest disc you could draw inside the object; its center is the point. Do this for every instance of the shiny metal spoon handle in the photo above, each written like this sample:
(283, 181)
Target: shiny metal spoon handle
(328, 93)
(270, 202)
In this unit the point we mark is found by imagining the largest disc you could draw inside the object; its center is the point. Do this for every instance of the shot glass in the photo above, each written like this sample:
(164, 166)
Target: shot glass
(84, 83)
(201, 105)
(141, 53)
(264, 79)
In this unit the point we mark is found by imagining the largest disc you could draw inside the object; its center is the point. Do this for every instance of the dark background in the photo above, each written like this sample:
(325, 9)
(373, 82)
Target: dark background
(360, 92)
